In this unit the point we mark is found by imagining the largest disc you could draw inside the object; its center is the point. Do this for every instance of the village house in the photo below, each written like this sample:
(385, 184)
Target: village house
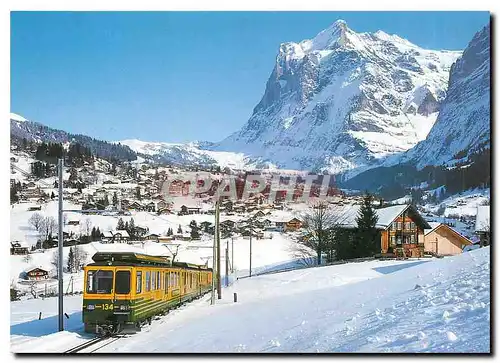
(152, 237)
(401, 228)
(482, 226)
(442, 240)
(162, 205)
(36, 274)
(185, 236)
(165, 239)
(117, 236)
(189, 210)
(73, 223)
(19, 248)
(178, 188)
(135, 205)
(150, 207)
(287, 224)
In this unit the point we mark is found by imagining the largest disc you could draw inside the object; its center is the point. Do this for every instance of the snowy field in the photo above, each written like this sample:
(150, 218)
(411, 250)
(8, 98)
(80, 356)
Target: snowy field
(437, 305)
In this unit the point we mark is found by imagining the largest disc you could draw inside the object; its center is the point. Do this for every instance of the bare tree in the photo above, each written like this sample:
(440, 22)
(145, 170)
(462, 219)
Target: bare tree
(55, 260)
(320, 223)
(484, 230)
(80, 257)
(88, 226)
(48, 227)
(36, 221)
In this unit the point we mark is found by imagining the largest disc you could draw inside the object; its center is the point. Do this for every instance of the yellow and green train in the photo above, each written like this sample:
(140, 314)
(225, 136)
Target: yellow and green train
(122, 290)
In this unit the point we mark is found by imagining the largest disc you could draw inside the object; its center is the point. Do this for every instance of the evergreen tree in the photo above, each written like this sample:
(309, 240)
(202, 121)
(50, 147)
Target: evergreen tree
(120, 225)
(194, 229)
(195, 234)
(115, 199)
(138, 193)
(367, 241)
(131, 228)
(71, 260)
(52, 195)
(13, 195)
(179, 230)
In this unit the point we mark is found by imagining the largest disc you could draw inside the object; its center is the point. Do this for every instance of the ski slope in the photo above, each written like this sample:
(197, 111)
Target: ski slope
(437, 305)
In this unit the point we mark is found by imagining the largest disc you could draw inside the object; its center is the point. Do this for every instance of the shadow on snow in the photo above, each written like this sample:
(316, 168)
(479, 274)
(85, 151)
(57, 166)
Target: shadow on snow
(390, 269)
(48, 325)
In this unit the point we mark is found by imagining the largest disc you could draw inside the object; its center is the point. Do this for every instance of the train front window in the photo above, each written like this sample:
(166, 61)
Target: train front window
(122, 284)
(99, 282)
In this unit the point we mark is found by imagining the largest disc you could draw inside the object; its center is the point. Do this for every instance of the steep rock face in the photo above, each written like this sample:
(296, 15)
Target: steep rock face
(463, 124)
(344, 100)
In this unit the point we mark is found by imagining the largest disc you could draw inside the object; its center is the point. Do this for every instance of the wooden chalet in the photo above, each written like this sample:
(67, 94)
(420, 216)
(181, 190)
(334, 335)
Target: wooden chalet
(152, 237)
(36, 274)
(19, 248)
(401, 229)
(442, 240)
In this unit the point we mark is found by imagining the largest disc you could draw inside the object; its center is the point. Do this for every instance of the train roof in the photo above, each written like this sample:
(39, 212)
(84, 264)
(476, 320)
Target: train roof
(138, 259)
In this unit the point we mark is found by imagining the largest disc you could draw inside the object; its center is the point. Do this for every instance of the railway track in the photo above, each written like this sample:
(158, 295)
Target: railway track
(92, 345)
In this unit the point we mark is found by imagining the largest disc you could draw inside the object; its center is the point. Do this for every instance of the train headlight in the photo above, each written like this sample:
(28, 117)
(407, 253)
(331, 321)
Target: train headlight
(90, 307)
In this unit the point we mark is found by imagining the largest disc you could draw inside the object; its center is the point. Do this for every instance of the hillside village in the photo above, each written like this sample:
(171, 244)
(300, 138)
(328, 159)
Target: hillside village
(107, 204)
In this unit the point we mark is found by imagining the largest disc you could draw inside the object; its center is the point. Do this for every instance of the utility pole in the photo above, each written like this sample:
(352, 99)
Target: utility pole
(232, 254)
(60, 246)
(219, 287)
(227, 263)
(214, 257)
(250, 251)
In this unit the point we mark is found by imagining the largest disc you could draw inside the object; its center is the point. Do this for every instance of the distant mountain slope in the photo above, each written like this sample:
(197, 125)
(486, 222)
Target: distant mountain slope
(192, 153)
(33, 131)
(463, 124)
(345, 100)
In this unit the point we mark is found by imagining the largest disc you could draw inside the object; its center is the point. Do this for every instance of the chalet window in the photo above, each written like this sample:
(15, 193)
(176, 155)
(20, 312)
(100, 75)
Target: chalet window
(99, 282)
(412, 225)
(148, 280)
(398, 240)
(412, 238)
(138, 286)
(122, 284)
(393, 240)
(407, 225)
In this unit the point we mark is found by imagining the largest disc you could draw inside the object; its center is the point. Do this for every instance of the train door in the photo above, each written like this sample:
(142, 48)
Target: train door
(122, 292)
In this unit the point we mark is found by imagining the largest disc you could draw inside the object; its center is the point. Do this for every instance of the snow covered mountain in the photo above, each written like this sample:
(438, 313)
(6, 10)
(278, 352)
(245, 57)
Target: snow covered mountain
(193, 153)
(463, 124)
(345, 100)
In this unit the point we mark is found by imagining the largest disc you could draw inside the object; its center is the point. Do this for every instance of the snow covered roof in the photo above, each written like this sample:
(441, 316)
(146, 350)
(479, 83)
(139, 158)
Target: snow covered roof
(483, 218)
(122, 232)
(22, 244)
(45, 267)
(348, 215)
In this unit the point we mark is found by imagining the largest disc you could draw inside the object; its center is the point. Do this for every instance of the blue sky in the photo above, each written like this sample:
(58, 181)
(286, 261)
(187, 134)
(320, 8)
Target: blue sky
(176, 77)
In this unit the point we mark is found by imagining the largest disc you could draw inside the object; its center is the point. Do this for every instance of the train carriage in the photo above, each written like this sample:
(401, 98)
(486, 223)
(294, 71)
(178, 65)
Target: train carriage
(123, 290)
